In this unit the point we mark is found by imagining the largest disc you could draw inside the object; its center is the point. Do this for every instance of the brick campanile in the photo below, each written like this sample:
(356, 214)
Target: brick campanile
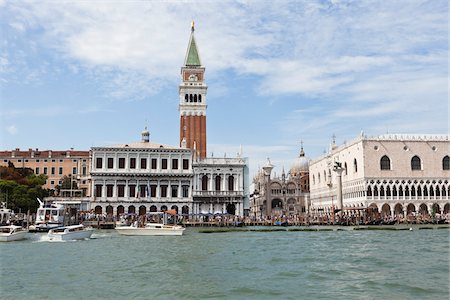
(192, 106)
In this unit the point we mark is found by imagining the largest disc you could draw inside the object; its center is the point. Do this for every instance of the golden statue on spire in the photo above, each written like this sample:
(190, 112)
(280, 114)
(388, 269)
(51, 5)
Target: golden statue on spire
(192, 25)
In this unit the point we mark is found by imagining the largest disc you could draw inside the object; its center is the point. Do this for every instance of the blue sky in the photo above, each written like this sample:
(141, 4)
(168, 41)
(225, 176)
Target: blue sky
(82, 74)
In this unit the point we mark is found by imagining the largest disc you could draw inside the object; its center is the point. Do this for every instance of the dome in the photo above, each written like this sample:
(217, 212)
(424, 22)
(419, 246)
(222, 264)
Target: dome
(300, 165)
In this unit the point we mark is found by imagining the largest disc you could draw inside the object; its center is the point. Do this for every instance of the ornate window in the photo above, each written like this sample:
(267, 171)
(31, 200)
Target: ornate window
(199, 98)
(218, 181)
(204, 183)
(446, 163)
(415, 163)
(385, 163)
(231, 183)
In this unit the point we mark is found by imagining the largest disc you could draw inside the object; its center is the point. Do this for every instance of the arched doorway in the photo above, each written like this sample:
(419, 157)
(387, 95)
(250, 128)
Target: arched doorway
(385, 210)
(231, 208)
(277, 207)
(131, 209)
(142, 210)
(163, 208)
(423, 209)
(435, 209)
(185, 210)
(153, 208)
(447, 208)
(109, 210)
(398, 209)
(410, 209)
(120, 210)
(98, 210)
(372, 211)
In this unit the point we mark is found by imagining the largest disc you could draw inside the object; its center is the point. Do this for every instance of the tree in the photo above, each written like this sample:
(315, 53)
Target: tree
(67, 183)
(20, 187)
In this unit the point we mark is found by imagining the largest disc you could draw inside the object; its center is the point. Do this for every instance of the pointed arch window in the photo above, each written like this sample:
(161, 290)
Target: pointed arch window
(199, 98)
(186, 98)
(385, 163)
(369, 191)
(195, 98)
(446, 163)
(416, 163)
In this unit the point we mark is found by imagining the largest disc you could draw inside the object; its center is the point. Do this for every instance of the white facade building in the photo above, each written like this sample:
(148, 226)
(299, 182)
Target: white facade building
(141, 177)
(220, 185)
(392, 174)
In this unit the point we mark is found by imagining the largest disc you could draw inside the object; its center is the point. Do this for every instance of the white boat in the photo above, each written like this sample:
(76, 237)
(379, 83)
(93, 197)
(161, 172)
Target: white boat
(5, 214)
(70, 233)
(151, 229)
(12, 233)
(48, 217)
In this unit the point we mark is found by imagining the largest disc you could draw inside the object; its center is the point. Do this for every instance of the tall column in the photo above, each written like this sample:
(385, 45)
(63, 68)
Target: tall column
(267, 169)
(338, 169)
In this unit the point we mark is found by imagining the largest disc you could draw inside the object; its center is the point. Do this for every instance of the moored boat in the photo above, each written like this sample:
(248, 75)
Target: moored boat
(12, 233)
(69, 233)
(151, 229)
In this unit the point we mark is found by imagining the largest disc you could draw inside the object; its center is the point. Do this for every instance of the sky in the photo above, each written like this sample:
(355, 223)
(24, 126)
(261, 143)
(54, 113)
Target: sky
(78, 74)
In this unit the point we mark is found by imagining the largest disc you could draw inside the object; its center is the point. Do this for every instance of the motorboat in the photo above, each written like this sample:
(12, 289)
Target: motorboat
(151, 229)
(5, 214)
(48, 216)
(12, 233)
(70, 233)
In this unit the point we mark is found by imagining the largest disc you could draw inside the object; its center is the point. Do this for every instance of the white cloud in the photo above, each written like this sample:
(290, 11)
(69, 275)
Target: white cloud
(12, 129)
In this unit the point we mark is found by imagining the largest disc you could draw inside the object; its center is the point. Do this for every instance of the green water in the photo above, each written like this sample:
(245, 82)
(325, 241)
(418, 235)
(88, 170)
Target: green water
(231, 265)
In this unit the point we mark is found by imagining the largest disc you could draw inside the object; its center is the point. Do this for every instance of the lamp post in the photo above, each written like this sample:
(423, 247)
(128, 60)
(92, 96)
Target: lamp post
(267, 169)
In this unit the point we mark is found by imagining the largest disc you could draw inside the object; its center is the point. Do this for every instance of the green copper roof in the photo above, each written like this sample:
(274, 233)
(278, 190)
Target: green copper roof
(192, 58)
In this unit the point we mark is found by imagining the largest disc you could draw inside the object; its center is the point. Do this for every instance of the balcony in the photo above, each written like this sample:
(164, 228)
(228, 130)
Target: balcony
(218, 193)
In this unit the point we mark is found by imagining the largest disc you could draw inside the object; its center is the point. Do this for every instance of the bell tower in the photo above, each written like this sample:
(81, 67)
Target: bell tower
(192, 105)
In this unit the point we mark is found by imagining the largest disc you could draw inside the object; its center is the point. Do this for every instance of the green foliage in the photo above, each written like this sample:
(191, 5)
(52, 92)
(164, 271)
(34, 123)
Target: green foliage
(66, 184)
(20, 187)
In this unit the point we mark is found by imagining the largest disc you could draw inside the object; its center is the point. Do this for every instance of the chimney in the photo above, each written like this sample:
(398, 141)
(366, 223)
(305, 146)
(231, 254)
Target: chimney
(49, 153)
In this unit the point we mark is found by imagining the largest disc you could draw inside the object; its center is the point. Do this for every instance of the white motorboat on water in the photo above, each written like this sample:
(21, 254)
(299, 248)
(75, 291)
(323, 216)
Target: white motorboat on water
(152, 228)
(70, 233)
(48, 216)
(12, 233)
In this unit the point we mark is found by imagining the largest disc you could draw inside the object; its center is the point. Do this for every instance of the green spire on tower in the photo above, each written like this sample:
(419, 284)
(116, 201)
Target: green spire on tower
(192, 57)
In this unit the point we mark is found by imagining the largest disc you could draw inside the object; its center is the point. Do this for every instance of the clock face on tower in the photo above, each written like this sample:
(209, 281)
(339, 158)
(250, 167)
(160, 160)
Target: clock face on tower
(193, 77)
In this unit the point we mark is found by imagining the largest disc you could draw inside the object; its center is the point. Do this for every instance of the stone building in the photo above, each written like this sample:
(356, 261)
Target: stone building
(141, 177)
(390, 174)
(55, 164)
(285, 195)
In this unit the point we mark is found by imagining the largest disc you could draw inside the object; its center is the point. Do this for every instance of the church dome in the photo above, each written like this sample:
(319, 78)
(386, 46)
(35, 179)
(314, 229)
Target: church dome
(300, 165)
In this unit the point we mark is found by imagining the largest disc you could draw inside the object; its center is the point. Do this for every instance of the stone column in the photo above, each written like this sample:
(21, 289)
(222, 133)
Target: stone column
(338, 169)
(267, 170)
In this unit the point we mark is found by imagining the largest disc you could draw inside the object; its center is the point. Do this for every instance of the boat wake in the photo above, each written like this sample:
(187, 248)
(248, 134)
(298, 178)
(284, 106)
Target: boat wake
(46, 239)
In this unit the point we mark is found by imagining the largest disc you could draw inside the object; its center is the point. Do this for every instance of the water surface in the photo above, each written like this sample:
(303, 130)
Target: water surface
(234, 265)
